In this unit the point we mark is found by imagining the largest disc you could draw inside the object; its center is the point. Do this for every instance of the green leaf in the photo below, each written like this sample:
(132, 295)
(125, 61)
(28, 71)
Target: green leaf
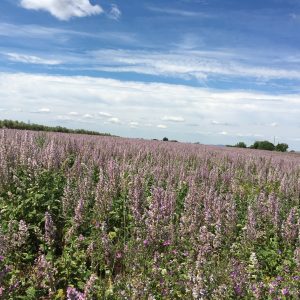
(31, 293)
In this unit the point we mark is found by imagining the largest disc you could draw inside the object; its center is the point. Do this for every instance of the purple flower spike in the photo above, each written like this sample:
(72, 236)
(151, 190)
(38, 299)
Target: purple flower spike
(73, 294)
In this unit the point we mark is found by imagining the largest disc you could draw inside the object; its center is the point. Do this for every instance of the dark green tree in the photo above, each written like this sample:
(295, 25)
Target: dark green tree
(282, 147)
(241, 145)
(263, 145)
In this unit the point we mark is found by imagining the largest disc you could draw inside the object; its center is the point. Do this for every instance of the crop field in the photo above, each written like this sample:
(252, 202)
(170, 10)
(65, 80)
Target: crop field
(88, 217)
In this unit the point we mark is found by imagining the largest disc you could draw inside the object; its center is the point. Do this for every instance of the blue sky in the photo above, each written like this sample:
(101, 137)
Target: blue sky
(212, 71)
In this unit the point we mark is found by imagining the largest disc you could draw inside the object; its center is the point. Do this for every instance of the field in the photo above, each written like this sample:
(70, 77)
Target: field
(87, 217)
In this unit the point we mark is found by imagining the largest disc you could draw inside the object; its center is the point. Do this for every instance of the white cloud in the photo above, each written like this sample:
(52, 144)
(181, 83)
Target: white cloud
(146, 102)
(184, 64)
(64, 118)
(214, 122)
(161, 126)
(251, 135)
(43, 110)
(223, 132)
(114, 120)
(274, 124)
(60, 35)
(133, 124)
(30, 59)
(63, 9)
(187, 64)
(114, 12)
(177, 12)
(73, 113)
(104, 114)
(173, 119)
(88, 116)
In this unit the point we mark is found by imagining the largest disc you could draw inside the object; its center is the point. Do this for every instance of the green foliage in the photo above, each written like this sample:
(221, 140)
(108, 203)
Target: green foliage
(241, 145)
(282, 147)
(165, 139)
(41, 140)
(263, 145)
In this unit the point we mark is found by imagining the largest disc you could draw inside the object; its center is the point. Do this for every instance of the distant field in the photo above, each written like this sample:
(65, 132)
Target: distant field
(98, 217)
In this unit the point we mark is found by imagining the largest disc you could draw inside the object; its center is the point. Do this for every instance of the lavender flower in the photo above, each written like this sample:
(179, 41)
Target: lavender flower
(49, 229)
(89, 286)
(19, 238)
(45, 273)
(251, 224)
(290, 228)
(73, 294)
(285, 291)
(79, 212)
(2, 289)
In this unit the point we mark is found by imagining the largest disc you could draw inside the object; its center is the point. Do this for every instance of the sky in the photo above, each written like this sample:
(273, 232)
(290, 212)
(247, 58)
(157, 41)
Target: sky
(208, 71)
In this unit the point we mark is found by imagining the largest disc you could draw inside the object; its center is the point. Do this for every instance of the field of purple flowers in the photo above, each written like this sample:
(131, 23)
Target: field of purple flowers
(85, 217)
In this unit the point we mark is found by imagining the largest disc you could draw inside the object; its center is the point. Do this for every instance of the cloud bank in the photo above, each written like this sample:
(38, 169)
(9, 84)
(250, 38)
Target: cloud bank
(63, 9)
(109, 103)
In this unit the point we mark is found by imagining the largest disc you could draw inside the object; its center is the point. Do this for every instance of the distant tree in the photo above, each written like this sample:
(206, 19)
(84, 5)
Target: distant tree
(241, 145)
(165, 139)
(36, 127)
(255, 145)
(263, 145)
(282, 147)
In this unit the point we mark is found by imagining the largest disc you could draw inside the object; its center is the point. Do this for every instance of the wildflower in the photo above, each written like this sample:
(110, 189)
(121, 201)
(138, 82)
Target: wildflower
(89, 286)
(45, 273)
(79, 212)
(90, 248)
(73, 294)
(4, 272)
(290, 226)
(80, 238)
(167, 243)
(285, 291)
(251, 224)
(257, 290)
(272, 286)
(49, 229)
(23, 233)
(1, 291)
(296, 277)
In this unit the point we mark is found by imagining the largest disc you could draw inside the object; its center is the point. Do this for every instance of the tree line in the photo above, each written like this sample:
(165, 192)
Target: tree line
(264, 145)
(36, 127)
